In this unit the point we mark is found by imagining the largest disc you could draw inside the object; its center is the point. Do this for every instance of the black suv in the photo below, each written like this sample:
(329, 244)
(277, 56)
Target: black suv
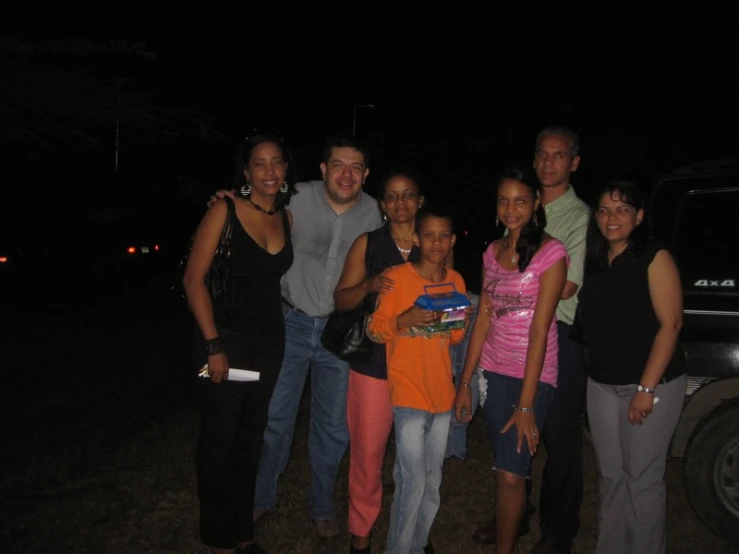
(694, 211)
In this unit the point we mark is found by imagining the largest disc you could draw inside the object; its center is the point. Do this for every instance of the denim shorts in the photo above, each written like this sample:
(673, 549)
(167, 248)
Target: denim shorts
(503, 393)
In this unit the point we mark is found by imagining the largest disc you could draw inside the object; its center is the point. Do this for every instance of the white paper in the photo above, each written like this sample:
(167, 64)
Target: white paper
(233, 374)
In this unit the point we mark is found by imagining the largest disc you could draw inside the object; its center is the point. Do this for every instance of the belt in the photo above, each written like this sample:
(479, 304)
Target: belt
(289, 305)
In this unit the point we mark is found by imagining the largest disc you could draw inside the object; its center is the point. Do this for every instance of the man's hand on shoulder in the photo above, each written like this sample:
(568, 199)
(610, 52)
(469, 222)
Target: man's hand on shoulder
(222, 193)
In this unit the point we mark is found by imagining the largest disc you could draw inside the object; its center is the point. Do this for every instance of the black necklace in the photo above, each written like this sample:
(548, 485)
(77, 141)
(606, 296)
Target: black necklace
(259, 208)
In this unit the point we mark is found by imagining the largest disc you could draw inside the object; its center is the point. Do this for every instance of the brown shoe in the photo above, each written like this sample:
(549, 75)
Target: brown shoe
(327, 528)
(551, 546)
(488, 535)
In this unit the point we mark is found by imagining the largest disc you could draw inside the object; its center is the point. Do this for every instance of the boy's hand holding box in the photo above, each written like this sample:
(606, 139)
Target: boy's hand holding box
(445, 299)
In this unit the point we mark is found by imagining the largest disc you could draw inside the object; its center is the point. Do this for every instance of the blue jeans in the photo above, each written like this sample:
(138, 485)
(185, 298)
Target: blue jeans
(457, 444)
(328, 437)
(420, 443)
(503, 394)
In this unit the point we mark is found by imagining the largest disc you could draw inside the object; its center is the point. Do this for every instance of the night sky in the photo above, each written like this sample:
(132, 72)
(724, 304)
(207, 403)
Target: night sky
(457, 91)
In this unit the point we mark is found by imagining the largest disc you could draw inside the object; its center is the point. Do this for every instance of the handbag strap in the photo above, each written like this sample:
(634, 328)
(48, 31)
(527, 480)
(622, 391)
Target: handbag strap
(224, 243)
(367, 307)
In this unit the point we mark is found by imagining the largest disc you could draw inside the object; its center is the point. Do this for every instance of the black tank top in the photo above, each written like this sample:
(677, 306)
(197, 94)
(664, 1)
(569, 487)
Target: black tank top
(384, 254)
(252, 303)
(619, 323)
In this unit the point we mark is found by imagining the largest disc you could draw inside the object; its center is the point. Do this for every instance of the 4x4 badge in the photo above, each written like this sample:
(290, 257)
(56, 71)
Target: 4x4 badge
(712, 283)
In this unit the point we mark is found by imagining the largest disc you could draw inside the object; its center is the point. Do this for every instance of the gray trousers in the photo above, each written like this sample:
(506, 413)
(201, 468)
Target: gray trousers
(631, 464)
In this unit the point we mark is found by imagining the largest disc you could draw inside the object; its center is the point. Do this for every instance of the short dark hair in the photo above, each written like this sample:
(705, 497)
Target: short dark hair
(408, 172)
(441, 212)
(596, 251)
(244, 155)
(532, 233)
(563, 132)
(344, 141)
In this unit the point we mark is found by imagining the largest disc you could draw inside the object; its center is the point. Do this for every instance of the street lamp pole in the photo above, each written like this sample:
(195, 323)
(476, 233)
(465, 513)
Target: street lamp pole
(354, 120)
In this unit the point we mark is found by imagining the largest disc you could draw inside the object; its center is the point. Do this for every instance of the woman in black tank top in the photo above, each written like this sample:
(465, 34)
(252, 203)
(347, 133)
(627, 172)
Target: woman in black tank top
(629, 317)
(241, 328)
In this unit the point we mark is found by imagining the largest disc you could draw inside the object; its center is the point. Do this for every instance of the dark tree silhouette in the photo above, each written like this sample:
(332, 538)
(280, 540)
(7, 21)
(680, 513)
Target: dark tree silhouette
(77, 93)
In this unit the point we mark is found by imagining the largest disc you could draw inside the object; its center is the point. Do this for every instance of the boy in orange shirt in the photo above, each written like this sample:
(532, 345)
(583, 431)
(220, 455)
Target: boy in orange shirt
(420, 381)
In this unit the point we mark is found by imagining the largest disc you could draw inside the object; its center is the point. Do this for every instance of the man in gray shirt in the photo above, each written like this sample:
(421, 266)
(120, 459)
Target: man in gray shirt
(327, 216)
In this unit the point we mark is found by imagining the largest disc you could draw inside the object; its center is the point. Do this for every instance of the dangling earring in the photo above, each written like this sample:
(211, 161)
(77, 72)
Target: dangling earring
(497, 221)
(283, 188)
(384, 217)
(536, 220)
(246, 189)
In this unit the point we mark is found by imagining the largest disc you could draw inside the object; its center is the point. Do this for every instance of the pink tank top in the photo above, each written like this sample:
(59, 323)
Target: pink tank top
(513, 296)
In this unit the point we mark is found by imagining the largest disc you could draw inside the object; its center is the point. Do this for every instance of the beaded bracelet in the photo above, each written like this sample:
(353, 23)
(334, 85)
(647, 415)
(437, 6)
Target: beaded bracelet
(214, 346)
(524, 410)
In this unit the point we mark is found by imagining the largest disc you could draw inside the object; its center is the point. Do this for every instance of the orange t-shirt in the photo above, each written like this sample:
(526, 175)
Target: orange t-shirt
(419, 369)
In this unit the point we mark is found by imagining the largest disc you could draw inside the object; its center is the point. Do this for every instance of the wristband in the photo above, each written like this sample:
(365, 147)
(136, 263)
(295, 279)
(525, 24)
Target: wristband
(524, 410)
(644, 389)
(214, 346)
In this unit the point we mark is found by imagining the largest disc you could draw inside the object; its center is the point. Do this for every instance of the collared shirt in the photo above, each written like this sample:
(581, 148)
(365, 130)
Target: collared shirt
(321, 240)
(567, 221)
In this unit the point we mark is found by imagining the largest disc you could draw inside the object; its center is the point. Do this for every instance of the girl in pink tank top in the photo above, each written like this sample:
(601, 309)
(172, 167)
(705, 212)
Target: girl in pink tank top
(514, 342)
(513, 295)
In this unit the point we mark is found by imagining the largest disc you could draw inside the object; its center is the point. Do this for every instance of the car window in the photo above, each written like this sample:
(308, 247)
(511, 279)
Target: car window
(705, 245)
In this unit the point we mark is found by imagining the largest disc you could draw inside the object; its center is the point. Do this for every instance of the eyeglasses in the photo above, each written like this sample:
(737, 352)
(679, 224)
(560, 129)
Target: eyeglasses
(405, 195)
(620, 211)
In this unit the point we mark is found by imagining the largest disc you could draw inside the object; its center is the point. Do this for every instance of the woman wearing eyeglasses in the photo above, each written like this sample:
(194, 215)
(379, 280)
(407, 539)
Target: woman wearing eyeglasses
(369, 414)
(630, 315)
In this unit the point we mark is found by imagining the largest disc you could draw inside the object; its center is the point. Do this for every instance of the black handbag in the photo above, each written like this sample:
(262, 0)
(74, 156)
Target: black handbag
(215, 279)
(345, 334)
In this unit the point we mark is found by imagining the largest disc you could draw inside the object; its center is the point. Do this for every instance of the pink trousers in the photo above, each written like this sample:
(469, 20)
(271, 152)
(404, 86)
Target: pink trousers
(370, 420)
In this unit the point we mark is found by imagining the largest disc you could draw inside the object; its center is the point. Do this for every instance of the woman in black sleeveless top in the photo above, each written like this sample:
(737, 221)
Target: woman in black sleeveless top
(630, 315)
(241, 328)
(369, 414)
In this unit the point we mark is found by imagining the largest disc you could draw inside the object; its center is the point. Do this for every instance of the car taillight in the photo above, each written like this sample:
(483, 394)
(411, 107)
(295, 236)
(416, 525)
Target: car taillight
(131, 250)
(156, 248)
(4, 259)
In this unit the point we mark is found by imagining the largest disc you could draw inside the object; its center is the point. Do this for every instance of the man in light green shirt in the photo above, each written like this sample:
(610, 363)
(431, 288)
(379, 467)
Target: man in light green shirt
(557, 156)
(567, 220)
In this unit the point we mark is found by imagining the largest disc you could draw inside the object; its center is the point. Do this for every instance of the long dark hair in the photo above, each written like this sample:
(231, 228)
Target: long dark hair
(244, 155)
(596, 253)
(531, 234)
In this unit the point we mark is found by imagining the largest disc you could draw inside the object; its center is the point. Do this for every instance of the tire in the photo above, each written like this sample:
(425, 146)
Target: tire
(711, 469)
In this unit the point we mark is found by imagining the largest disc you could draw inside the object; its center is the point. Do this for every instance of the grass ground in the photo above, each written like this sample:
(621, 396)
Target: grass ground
(97, 437)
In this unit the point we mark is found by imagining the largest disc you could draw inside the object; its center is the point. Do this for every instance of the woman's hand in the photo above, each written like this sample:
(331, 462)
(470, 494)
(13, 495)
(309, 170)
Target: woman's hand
(526, 428)
(380, 283)
(221, 194)
(218, 367)
(463, 405)
(640, 407)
